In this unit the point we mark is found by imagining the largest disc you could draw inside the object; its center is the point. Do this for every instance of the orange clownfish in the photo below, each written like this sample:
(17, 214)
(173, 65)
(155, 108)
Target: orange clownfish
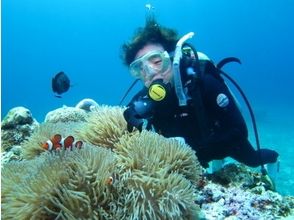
(57, 142)
(109, 180)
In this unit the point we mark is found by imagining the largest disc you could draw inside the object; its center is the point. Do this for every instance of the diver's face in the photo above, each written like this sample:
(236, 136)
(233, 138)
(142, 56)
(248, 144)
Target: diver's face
(152, 62)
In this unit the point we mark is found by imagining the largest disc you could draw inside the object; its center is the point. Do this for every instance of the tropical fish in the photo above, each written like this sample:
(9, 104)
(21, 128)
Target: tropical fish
(57, 143)
(60, 84)
(54, 143)
(111, 179)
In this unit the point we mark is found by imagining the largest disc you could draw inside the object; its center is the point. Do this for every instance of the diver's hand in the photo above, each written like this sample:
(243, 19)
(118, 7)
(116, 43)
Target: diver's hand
(133, 119)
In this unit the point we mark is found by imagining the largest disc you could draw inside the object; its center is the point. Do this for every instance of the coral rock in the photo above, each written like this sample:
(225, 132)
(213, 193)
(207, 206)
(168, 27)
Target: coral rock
(13, 154)
(66, 114)
(17, 116)
(236, 192)
(87, 105)
(16, 127)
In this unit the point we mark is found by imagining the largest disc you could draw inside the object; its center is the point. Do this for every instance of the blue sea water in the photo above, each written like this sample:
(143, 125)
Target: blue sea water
(83, 38)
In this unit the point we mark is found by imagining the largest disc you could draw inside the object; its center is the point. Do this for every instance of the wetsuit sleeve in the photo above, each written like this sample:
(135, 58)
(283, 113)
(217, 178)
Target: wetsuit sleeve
(226, 123)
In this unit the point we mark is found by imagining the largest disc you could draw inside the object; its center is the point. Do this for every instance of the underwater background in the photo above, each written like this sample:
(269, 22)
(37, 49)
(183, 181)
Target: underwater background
(83, 38)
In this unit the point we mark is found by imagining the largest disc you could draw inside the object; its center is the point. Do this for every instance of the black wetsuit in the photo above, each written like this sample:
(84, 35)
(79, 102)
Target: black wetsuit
(226, 132)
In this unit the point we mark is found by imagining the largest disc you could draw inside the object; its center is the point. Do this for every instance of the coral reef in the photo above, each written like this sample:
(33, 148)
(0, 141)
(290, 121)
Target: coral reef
(236, 175)
(218, 202)
(236, 192)
(14, 153)
(16, 127)
(66, 114)
(146, 176)
(17, 116)
(122, 175)
(104, 126)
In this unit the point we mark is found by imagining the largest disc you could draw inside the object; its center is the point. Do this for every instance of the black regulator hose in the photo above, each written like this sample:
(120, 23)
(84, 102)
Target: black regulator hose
(219, 66)
(127, 92)
(263, 170)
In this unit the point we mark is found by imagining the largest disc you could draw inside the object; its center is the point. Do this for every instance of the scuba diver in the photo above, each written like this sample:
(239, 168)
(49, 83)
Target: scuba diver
(184, 95)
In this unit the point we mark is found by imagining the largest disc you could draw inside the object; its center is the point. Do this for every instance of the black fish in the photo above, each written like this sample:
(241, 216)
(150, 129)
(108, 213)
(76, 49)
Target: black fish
(60, 83)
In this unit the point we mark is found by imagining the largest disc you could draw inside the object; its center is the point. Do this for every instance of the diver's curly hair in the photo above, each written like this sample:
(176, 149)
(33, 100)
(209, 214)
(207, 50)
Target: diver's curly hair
(151, 33)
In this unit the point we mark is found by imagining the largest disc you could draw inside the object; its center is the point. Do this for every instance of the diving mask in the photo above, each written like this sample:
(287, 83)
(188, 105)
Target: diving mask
(151, 63)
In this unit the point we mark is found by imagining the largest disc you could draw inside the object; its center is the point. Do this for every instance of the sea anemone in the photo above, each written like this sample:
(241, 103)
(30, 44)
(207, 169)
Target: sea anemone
(156, 177)
(143, 176)
(167, 197)
(33, 146)
(66, 114)
(59, 185)
(104, 126)
(152, 153)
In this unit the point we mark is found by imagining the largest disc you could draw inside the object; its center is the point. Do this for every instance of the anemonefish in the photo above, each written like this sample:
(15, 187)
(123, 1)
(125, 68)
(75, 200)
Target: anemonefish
(109, 180)
(57, 142)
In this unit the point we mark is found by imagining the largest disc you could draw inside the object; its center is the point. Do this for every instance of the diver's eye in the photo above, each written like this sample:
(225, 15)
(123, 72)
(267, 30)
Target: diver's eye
(157, 61)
